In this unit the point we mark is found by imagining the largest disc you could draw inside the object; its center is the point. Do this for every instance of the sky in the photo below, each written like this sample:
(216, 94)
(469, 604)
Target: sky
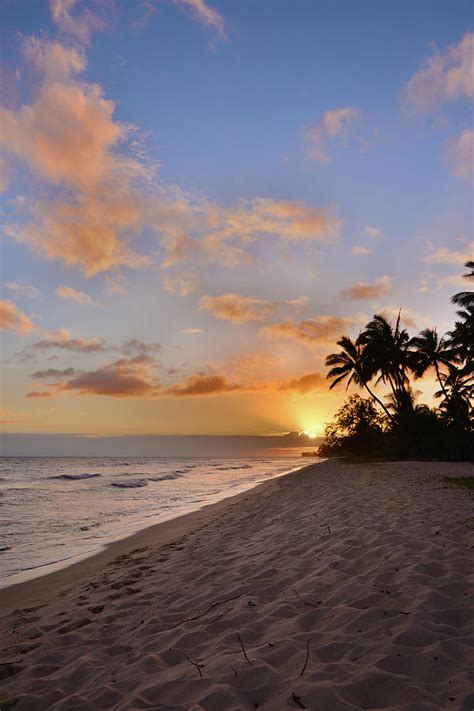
(199, 198)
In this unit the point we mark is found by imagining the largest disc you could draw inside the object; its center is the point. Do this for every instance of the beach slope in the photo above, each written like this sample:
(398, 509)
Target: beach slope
(340, 587)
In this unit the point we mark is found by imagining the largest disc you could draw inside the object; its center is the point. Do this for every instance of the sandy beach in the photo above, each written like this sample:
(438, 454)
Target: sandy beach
(339, 587)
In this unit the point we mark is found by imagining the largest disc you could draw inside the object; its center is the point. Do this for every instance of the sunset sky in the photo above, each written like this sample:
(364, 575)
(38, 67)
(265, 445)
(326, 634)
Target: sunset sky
(200, 197)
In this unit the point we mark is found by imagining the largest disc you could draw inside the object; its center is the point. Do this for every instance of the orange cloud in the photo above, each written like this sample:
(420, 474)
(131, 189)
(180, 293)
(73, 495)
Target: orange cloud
(206, 14)
(317, 331)
(446, 76)
(182, 283)
(12, 319)
(460, 152)
(306, 383)
(359, 251)
(236, 308)
(445, 255)
(199, 385)
(334, 124)
(360, 291)
(31, 292)
(67, 292)
(79, 25)
(62, 340)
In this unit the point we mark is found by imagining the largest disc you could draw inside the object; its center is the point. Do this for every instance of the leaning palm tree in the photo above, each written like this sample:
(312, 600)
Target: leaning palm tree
(387, 355)
(430, 351)
(456, 406)
(465, 298)
(461, 339)
(349, 365)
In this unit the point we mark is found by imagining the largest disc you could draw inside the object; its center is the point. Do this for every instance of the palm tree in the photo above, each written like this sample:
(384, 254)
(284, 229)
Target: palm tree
(349, 364)
(386, 353)
(456, 406)
(465, 298)
(461, 338)
(431, 351)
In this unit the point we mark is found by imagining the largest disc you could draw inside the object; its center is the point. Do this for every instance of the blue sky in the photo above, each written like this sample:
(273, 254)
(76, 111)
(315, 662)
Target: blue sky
(345, 117)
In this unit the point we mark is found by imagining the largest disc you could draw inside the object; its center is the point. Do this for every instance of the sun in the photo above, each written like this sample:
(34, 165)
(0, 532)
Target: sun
(311, 435)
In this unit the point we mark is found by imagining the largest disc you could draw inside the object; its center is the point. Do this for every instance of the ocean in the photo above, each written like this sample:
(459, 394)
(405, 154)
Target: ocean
(56, 511)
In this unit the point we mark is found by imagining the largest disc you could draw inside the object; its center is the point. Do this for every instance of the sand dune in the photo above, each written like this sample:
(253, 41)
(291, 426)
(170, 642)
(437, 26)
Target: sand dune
(341, 587)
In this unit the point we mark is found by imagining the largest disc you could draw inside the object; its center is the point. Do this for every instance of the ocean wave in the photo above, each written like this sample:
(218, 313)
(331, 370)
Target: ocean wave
(75, 477)
(237, 466)
(166, 477)
(137, 484)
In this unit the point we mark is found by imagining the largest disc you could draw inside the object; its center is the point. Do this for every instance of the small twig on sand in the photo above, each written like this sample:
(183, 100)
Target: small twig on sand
(297, 700)
(329, 529)
(306, 602)
(306, 660)
(197, 665)
(243, 649)
(234, 670)
(201, 614)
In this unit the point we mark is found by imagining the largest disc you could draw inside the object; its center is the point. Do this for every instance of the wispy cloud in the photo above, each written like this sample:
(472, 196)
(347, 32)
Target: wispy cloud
(317, 331)
(79, 24)
(206, 14)
(373, 232)
(31, 292)
(192, 331)
(460, 153)
(447, 255)
(334, 125)
(12, 319)
(445, 76)
(62, 340)
(361, 290)
(181, 283)
(308, 383)
(68, 292)
(360, 251)
(236, 308)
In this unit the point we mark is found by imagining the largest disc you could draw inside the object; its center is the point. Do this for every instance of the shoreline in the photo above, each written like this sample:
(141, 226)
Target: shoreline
(334, 588)
(36, 588)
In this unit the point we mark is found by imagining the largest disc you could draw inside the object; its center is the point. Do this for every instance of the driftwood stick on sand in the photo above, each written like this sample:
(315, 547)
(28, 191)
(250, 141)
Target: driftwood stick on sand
(201, 614)
(306, 660)
(243, 649)
(196, 664)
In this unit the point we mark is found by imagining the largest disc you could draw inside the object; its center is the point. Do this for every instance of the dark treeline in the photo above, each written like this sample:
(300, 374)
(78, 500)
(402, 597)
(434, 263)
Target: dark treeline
(396, 425)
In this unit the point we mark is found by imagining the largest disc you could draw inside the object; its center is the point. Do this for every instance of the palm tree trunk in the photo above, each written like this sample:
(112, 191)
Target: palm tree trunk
(438, 374)
(379, 402)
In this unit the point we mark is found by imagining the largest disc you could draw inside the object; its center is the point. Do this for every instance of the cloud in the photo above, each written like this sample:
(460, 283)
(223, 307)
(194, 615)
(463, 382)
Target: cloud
(54, 373)
(460, 152)
(67, 137)
(360, 290)
(80, 25)
(445, 255)
(182, 284)
(192, 331)
(408, 317)
(205, 14)
(126, 377)
(313, 332)
(374, 232)
(445, 76)
(334, 124)
(67, 292)
(99, 192)
(12, 319)
(423, 287)
(359, 251)
(54, 60)
(236, 308)
(115, 284)
(136, 347)
(306, 383)
(40, 394)
(27, 290)
(199, 385)
(62, 340)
